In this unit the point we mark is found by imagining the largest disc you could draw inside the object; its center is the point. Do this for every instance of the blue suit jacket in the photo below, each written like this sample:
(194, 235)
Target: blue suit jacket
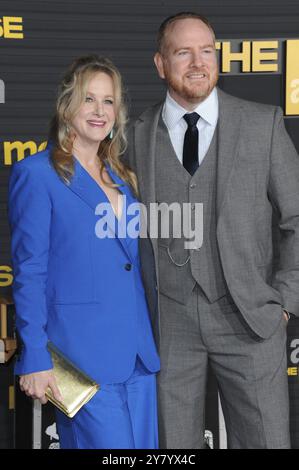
(69, 285)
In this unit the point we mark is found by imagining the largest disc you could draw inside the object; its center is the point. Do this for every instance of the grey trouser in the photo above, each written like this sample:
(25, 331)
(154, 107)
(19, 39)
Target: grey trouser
(251, 375)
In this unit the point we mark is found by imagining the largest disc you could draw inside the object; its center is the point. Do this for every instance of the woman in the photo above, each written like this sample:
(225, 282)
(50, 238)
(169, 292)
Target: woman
(77, 279)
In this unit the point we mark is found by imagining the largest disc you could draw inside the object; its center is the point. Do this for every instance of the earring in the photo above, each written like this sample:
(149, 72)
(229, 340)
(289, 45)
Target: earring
(111, 134)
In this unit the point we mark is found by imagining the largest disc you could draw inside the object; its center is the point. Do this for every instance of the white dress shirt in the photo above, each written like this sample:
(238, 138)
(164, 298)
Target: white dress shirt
(173, 113)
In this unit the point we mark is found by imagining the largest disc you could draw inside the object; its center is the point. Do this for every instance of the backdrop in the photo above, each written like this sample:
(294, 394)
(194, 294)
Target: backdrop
(258, 47)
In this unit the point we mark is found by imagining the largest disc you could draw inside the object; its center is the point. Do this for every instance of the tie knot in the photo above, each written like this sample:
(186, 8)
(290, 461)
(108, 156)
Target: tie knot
(191, 119)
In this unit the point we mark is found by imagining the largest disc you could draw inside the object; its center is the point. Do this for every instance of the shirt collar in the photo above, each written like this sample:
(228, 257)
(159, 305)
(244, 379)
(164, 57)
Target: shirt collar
(208, 110)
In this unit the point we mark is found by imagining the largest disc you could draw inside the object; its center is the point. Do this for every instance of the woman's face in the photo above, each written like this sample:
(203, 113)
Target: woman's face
(96, 115)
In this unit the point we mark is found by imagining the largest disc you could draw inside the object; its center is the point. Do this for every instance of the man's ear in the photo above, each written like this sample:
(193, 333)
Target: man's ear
(159, 64)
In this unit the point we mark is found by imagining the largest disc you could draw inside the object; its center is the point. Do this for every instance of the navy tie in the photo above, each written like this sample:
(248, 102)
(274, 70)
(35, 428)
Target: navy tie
(190, 150)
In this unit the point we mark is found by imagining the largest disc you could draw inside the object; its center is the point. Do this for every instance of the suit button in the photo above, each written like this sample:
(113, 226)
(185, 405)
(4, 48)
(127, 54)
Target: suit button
(128, 267)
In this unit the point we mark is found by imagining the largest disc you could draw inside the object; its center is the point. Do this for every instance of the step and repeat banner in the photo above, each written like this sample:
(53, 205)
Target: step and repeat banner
(258, 52)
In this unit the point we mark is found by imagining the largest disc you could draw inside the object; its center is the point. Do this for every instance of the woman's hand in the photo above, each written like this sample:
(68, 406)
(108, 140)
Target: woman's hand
(36, 384)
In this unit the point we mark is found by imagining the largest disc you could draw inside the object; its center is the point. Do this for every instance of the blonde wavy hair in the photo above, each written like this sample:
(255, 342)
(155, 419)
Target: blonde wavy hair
(72, 93)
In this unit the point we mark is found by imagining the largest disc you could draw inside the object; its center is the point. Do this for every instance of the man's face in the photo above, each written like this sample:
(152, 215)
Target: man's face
(188, 62)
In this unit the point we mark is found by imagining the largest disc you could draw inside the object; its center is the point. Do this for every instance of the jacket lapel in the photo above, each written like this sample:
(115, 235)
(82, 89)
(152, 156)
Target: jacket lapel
(145, 149)
(230, 117)
(125, 217)
(84, 186)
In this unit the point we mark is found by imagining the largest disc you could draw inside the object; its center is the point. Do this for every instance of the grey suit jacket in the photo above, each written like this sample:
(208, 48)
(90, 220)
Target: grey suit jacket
(257, 175)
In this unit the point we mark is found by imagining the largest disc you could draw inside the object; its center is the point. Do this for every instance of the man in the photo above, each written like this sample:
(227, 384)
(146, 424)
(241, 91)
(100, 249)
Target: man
(222, 303)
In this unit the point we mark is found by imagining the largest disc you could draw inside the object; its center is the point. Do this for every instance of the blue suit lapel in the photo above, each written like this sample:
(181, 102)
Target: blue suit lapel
(84, 186)
(125, 189)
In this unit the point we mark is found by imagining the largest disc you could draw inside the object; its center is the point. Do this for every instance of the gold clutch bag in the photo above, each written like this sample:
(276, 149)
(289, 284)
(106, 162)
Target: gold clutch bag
(75, 386)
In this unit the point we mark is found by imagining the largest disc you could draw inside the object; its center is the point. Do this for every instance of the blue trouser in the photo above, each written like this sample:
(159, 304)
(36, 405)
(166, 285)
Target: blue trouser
(119, 416)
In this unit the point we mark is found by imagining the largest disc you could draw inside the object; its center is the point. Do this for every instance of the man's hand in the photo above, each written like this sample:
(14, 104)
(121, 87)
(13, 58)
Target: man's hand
(36, 384)
(286, 315)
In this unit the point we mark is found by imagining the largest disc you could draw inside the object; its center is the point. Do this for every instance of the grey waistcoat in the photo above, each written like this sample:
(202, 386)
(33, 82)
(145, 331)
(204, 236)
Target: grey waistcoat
(174, 184)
